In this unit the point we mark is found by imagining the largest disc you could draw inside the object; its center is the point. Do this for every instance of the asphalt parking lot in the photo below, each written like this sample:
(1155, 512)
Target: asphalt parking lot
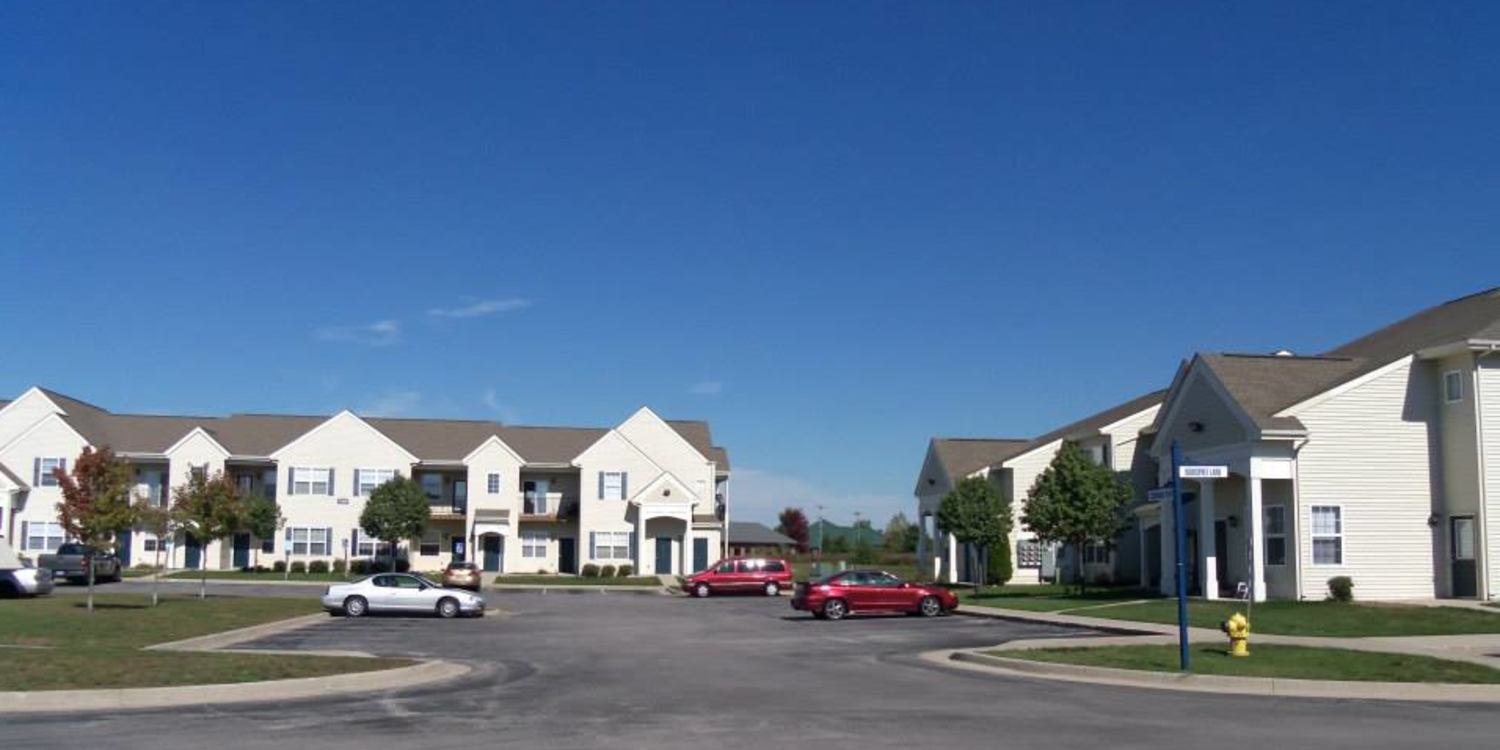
(633, 671)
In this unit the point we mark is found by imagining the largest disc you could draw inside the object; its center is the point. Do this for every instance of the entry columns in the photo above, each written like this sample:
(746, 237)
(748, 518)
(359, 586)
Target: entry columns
(687, 546)
(922, 563)
(1257, 538)
(1208, 570)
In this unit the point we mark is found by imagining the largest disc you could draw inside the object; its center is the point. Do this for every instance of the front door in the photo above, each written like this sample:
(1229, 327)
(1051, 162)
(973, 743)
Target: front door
(1221, 553)
(241, 551)
(567, 555)
(457, 549)
(700, 555)
(493, 545)
(124, 548)
(193, 555)
(1465, 571)
(663, 555)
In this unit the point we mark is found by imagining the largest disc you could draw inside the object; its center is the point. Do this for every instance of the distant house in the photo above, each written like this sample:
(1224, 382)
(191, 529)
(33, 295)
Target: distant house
(747, 538)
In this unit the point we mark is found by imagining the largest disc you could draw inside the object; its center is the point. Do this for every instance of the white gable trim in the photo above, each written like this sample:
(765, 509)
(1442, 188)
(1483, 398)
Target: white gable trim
(670, 428)
(345, 414)
(612, 431)
(30, 392)
(493, 440)
(1044, 446)
(197, 431)
(1110, 428)
(44, 420)
(1174, 403)
(1308, 403)
(652, 489)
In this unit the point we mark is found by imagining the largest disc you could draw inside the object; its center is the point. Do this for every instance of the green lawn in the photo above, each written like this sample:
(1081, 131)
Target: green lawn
(578, 580)
(243, 575)
(71, 648)
(1048, 597)
(1293, 662)
(1318, 618)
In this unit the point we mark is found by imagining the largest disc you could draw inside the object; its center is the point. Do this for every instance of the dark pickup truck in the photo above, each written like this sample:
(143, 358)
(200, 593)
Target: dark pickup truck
(69, 561)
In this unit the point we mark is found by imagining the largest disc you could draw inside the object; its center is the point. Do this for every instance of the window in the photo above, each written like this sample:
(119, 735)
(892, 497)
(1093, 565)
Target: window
(1028, 553)
(775, 566)
(366, 480)
(725, 567)
(1453, 386)
(371, 547)
(307, 541)
(534, 543)
(268, 483)
(432, 484)
(431, 544)
(611, 545)
(1275, 534)
(245, 483)
(198, 473)
(1328, 535)
(45, 467)
(612, 485)
(492, 484)
(154, 488)
(1096, 553)
(1463, 538)
(268, 546)
(43, 536)
(307, 481)
(151, 544)
(535, 502)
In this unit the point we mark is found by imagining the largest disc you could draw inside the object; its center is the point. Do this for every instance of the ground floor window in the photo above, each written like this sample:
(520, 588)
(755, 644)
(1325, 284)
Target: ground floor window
(268, 546)
(1096, 553)
(1028, 554)
(1327, 535)
(151, 543)
(307, 541)
(43, 536)
(534, 543)
(1275, 534)
(611, 545)
(431, 544)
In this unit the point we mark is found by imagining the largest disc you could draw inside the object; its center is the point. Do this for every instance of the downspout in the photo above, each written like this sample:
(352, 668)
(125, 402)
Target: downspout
(1484, 530)
(1296, 515)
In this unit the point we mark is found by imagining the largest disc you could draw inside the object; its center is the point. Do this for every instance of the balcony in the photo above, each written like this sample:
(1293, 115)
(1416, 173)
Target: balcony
(547, 506)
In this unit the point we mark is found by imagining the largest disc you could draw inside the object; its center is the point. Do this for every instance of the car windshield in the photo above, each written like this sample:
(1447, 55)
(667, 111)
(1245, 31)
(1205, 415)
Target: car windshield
(427, 583)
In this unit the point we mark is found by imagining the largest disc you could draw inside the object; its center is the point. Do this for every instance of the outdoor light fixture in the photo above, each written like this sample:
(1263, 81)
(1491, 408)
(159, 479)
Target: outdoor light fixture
(1434, 519)
(1195, 426)
(1234, 522)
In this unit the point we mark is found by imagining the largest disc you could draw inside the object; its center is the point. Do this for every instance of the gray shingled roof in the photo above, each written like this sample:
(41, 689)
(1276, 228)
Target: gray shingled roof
(961, 457)
(428, 439)
(748, 532)
(1094, 422)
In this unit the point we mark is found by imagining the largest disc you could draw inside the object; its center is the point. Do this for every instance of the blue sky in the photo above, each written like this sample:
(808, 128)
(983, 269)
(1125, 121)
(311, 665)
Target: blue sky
(833, 230)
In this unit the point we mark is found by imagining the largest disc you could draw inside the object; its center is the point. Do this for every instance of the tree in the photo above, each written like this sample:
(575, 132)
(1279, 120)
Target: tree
(864, 551)
(396, 510)
(158, 521)
(96, 505)
(262, 517)
(210, 509)
(977, 517)
(900, 534)
(793, 523)
(1076, 501)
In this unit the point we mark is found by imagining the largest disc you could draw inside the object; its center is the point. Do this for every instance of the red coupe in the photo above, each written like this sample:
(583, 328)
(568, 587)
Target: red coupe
(862, 591)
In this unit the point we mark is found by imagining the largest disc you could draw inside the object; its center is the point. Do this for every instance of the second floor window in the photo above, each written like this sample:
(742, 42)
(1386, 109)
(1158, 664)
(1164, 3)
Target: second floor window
(366, 480)
(1453, 386)
(432, 484)
(310, 481)
(612, 485)
(492, 484)
(44, 469)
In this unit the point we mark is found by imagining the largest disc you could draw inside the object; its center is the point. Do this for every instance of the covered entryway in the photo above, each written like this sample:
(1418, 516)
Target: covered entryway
(241, 558)
(664, 521)
(663, 554)
(487, 538)
(493, 558)
(1465, 569)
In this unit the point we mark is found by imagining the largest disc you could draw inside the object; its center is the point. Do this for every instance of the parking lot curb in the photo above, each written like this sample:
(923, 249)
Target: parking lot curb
(125, 699)
(533, 588)
(216, 641)
(972, 660)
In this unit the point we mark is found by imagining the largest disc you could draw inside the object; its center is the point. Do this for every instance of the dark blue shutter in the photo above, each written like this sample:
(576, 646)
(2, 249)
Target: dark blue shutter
(633, 559)
(601, 485)
(624, 485)
(328, 541)
(291, 481)
(356, 482)
(354, 541)
(23, 535)
(591, 546)
(331, 474)
(36, 471)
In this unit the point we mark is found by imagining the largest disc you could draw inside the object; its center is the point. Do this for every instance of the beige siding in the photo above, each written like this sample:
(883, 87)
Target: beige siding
(196, 450)
(1459, 486)
(21, 415)
(1369, 455)
(51, 438)
(1489, 405)
(1200, 401)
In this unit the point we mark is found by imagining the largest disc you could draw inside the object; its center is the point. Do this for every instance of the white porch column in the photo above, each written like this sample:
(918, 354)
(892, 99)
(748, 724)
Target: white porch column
(640, 542)
(922, 544)
(952, 558)
(1208, 571)
(1140, 536)
(687, 547)
(1257, 539)
(1168, 585)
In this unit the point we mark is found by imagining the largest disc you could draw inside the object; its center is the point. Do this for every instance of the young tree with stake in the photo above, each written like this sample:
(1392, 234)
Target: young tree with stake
(1076, 501)
(156, 520)
(96, 505)
(209, 508)
(978, 517)
(396, 510)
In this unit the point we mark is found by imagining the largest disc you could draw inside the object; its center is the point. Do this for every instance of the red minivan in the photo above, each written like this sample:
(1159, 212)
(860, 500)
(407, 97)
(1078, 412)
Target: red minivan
(742, 574)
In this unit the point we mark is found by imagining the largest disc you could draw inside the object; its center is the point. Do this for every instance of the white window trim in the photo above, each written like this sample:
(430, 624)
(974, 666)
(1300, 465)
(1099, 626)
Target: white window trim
(1268, 536)
(61, 536)
(618, 491)
(430, 538)
(1313, 536)
(492, 483)
(46, 479)
(1448, 397)
(385, 475)
(298, 472)
(534, 544)
(611, 546)
(312, 535)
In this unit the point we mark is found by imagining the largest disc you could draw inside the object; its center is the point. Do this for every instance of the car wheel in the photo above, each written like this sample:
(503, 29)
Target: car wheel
(447, 608)
(701, 591)
(356, 606)
(835, 609)
(772, 589)
(116, 576)
(930, 606)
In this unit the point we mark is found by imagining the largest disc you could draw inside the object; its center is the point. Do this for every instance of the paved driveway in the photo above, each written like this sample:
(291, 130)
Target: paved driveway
(630, 671)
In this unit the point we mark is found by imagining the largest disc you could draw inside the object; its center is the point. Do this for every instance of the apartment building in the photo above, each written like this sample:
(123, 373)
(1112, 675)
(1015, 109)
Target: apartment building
(649, 492)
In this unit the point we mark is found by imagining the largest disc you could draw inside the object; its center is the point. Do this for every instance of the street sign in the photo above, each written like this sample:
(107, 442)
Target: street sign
(1163, 495)
(1203, 472)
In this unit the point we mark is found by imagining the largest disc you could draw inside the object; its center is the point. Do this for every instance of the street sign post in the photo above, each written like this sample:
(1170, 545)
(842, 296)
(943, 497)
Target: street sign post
(1179, 523)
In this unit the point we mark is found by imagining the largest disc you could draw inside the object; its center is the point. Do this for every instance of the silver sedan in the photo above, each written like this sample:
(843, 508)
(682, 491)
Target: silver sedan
(399, 592)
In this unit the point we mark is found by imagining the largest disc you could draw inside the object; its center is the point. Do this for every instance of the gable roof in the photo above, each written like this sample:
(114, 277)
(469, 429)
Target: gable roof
(749, 532)
(1095, 422)
(961, 457)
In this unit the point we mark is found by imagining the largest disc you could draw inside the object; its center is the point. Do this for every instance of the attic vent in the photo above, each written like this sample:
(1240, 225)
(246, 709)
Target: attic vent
(1283, 353)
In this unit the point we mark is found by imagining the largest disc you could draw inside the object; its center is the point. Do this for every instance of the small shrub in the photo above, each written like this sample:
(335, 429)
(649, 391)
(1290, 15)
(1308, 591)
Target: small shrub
(998, 566)
(299, 567)
(359, 567)
(1341, 589)
(318, 566)
(590, 570)
(625, 571)
(279, 566)
(607, 571)
(339, 566)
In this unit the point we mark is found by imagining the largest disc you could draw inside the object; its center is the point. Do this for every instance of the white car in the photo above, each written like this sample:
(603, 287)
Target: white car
(399, 592)
(18, 577)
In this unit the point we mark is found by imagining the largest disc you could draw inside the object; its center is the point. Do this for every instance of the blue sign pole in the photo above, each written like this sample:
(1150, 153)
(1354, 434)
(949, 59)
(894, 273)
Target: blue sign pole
(1179, 547)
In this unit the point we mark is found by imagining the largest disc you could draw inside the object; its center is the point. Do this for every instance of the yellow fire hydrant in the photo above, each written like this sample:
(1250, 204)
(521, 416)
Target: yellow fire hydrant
(1238, 630)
